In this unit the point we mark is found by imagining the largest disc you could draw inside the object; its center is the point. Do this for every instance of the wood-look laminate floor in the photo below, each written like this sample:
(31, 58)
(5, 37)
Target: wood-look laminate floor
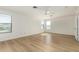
(45, 42)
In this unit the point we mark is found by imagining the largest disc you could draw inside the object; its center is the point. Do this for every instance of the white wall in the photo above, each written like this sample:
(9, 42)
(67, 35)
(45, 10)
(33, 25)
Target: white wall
(63, 25)
(22, 25)
(29, 23)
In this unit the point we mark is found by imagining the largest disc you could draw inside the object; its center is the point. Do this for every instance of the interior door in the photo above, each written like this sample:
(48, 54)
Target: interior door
(76, 27)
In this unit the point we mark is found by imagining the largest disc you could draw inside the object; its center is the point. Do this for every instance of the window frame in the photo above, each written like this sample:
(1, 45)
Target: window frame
(10, 25)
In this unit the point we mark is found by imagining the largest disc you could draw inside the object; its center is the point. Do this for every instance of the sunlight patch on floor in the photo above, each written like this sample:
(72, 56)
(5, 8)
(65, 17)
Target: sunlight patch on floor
(46, 37)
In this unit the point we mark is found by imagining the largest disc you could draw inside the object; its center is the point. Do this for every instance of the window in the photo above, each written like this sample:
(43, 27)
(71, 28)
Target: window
(46, 25)
(5, 23)
(42, 24)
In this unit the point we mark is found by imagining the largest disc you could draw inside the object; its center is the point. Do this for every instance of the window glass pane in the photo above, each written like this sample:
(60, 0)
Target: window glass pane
(42, 24)
(5, 23)
(48, 23)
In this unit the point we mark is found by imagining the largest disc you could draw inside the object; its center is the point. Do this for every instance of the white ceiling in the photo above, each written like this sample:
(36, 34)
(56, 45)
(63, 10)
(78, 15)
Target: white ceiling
(56, 10)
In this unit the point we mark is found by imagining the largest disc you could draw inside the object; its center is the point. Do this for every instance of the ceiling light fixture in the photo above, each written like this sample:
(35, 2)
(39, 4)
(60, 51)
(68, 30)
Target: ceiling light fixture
(34, 6)
(47, 12)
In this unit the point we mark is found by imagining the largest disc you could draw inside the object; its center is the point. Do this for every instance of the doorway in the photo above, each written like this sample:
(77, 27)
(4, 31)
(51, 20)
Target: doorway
(46, 25)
